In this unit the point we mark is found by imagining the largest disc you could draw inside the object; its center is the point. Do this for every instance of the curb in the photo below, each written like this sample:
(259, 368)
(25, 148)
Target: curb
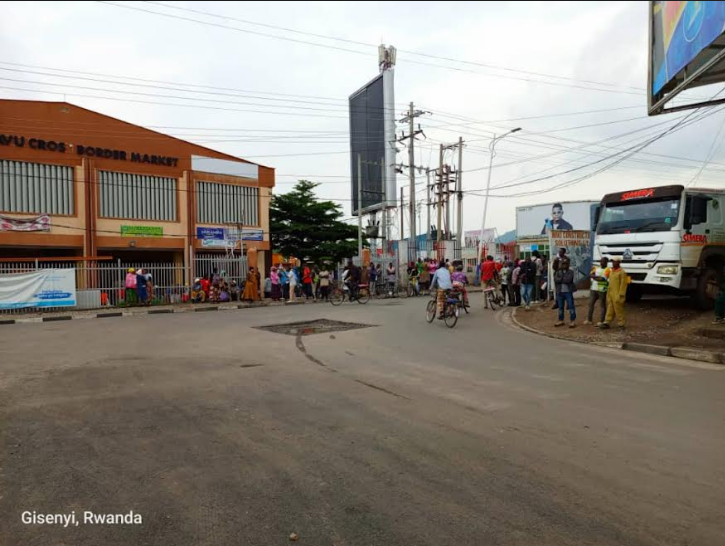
(140, 312)
(687, 353)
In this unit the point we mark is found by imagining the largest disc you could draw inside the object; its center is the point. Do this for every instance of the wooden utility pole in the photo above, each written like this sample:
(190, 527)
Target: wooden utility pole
(439, 187)
(359, 207)
(402, 209)
(459, 192)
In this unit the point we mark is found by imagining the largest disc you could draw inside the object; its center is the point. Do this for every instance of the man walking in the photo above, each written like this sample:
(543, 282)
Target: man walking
(599, 276)
(527, 276)
(616, 294)
(564, 280)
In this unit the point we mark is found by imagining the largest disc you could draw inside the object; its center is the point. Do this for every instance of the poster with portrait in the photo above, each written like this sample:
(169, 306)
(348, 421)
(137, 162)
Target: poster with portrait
(539, 220)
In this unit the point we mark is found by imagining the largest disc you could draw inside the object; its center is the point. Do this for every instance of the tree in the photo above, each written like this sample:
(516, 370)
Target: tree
(305, 227)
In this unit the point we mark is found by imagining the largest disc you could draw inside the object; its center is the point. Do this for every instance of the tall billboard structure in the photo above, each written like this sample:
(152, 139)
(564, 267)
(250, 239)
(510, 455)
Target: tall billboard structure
(372, 144)
(686, 50)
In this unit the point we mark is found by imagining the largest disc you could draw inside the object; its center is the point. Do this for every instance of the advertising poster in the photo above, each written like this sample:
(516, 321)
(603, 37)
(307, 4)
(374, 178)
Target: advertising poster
(39, 223)
(578, 244)
(42, 288)
(539, 220)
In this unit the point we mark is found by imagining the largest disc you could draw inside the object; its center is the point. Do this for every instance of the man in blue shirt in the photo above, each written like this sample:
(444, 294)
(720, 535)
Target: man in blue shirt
(442, 281)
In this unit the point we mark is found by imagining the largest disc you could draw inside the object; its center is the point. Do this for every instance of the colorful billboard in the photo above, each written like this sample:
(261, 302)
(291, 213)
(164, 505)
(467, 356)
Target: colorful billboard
(539, 220)
(680, 32)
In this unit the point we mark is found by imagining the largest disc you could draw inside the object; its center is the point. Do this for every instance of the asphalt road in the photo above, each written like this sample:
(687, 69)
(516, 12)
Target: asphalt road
(403, 433)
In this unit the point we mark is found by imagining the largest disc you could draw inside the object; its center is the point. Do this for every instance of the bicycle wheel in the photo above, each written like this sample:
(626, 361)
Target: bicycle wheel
(450, 315)
(430, 311)
(337, 296)
(465, 306)
(363, 296)
(492, 301)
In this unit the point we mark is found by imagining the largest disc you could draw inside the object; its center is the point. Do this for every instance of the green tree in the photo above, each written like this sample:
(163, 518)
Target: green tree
(305, 227)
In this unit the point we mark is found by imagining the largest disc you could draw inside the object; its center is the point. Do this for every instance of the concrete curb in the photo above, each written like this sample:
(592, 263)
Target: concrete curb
(56, 319)
(109, 315)
(687, 353)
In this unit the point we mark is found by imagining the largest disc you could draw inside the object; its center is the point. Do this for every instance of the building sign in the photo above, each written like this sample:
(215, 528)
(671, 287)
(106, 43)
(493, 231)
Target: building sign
(142, 231)
(87, 151)
(218, 243)
(39, 223)
(42, 288)
(210, 233)
(249, 234)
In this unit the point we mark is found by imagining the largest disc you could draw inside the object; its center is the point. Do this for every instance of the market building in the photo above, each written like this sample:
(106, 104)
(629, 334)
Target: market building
(77, 183)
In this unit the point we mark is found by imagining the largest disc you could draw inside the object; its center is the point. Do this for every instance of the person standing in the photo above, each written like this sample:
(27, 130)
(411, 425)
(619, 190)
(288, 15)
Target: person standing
(251, 286)
(505, 274)
(284, 281)
(292, 273)
(599, 276)
(141, 286)
(555, 267)
(276, 289)
(307, 282)
(564, 280)
(539, 270)
(324, 283)
(516, 284)
(616, 295)
(391, 279)
(442, 281)
(130, 294)
(267, 287)
(527, 277)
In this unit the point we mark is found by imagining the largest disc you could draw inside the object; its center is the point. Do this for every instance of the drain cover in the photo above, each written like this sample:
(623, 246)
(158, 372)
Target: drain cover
(310, 327)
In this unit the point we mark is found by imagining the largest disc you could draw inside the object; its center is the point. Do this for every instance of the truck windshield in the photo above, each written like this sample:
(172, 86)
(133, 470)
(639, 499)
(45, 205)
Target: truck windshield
(639, 216)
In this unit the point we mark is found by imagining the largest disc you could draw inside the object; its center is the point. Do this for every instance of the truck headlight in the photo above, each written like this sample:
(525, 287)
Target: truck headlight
(667, 270)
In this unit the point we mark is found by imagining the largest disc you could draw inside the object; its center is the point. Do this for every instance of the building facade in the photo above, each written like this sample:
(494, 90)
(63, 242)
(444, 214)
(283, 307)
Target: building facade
(77, 183)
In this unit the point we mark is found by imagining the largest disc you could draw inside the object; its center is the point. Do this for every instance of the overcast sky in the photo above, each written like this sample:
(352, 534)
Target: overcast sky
(283, 103)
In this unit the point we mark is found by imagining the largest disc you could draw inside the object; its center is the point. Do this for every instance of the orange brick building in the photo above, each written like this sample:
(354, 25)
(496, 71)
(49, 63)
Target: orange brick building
(74, 182)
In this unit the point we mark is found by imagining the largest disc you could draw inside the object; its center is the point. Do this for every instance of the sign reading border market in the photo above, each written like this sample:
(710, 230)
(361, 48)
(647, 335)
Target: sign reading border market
(142, 231)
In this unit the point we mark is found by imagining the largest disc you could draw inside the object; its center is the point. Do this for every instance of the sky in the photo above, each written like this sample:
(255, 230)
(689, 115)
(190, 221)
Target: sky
(250, 79)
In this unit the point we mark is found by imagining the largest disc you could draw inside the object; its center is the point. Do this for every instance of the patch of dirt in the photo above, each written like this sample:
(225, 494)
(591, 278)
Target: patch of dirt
(663, 321)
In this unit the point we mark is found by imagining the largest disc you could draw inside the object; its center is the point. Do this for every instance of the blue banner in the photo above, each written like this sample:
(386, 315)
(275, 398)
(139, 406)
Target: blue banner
(210, 233)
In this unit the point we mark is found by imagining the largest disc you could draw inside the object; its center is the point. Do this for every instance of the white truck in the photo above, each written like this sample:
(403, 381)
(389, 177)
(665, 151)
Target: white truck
(669, 238)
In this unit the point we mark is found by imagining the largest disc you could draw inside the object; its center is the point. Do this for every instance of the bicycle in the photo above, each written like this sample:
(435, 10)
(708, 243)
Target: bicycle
(451, 308)
(493, 298)
(362, 295)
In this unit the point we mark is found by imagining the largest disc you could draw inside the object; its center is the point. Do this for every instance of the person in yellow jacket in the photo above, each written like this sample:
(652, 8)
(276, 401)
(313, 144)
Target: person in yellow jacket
(616, 294)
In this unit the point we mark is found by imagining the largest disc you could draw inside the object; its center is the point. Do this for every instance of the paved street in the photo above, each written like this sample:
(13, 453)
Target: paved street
(404, 433)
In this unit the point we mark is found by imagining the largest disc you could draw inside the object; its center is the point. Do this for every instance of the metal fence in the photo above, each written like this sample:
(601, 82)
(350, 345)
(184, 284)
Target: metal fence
(101, 284)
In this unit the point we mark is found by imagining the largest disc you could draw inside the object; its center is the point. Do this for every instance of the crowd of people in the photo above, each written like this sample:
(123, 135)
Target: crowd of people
(139, 287)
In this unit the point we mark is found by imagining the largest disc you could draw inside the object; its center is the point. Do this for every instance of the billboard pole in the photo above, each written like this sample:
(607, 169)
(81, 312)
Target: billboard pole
(359, 206)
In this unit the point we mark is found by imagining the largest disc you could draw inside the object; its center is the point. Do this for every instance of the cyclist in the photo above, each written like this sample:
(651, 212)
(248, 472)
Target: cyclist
(460, 281)
(353, 279)
(442, 281)
(488, 276)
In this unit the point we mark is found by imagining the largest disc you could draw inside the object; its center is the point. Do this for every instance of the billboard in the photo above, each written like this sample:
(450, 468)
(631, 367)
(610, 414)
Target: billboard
(537, 221)
(685, 45)
(41, 288)
(578, 245)
(372, 144)
(473, 238)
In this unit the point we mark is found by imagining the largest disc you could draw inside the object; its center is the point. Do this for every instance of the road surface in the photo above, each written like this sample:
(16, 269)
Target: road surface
(402, 433)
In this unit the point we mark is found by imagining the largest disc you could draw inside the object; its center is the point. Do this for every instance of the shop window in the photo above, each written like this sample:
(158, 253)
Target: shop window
(36, 188)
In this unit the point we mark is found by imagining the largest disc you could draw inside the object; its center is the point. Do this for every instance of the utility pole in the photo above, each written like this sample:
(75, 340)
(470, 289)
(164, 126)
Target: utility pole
(359, 207)
(401, 214)
(459, 192)
(439, 187)
(427, 187)
(410, 119)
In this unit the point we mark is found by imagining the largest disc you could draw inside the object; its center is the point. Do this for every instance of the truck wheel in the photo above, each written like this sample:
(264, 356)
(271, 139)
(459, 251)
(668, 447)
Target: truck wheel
(707, 288)
(634, 293)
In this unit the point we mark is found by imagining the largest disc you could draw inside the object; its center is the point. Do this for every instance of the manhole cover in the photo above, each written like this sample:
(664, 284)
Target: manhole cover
(310, 327)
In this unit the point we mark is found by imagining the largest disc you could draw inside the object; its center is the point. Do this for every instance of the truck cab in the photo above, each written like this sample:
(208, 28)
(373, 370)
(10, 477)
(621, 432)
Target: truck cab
(669, 238)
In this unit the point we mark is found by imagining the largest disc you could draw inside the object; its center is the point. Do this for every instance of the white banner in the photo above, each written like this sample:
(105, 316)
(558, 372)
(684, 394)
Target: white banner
(42, 288)
(539, 220)
(39, 223)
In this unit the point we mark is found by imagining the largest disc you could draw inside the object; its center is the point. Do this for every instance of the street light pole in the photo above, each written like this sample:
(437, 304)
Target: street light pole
(491, 147)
